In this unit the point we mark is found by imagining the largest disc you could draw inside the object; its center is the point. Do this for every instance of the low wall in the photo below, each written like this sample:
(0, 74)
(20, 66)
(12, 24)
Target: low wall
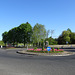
(63, 46)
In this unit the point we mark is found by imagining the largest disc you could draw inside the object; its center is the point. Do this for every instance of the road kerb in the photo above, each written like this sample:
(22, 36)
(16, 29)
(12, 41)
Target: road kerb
(65, 53)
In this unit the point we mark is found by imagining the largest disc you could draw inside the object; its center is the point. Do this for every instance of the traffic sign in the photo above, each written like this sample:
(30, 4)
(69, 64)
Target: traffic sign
(48, 48)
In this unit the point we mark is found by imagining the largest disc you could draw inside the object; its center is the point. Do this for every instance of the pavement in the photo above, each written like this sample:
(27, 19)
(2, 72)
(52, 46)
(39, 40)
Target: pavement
(65, 53)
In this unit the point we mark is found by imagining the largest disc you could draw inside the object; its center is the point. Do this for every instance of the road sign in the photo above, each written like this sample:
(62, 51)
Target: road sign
(66, 42)
(48, 48)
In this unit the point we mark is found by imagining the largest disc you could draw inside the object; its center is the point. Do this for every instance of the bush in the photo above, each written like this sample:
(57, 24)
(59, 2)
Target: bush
(35, 48)
(53, 50)
(43, 48)
(57, 48)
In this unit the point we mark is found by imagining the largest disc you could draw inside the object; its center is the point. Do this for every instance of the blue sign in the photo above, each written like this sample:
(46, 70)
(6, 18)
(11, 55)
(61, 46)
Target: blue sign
(48, 48)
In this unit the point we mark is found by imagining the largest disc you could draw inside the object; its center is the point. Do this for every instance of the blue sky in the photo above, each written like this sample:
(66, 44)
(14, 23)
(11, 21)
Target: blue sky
(57, 15)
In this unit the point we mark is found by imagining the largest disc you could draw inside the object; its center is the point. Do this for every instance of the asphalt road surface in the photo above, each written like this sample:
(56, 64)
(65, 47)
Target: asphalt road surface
(12, 63)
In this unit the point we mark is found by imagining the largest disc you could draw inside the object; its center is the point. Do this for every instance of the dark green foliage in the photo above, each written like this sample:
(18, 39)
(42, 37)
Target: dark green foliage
(51, 41)
(72, 38)
(20, 34)
(35, 48)
(5, 37)
(67, 36)
(13, 36)
(42, 48)
(25, 32)
(1, 43)
(57, 48)
(61, 40)
(53, 50)
(69, 30)
(42, 42)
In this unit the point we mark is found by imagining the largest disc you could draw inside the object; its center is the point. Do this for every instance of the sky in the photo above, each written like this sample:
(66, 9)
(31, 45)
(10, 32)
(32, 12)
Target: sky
(57, 15)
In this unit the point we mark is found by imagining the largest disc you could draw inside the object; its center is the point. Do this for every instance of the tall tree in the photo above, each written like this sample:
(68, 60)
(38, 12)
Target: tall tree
(25, 31)
(69, 30)
(12, 36)
(52, 31)
(61, 40)
(5, 37)
(39, 33)
(64, 37)
(72, 38)
(47, 33)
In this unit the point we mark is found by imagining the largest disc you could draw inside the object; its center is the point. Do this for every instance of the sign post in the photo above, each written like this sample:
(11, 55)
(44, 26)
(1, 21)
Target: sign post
(48, 49)
(1, 46)
(66, 42)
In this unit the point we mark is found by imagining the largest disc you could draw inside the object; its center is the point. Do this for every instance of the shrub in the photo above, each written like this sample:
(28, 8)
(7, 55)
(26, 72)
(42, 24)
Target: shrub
(43, 48)
(53, 50)
(57, 48)
(35, 48)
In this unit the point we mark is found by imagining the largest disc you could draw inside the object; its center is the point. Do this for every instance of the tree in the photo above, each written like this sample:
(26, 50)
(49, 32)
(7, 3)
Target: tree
(1, 43)
(52, 31)
(64, 37)
(51, 41)
(72, 38)
(69, 30)
(61, 40)
(12, 36)
(25, 31)
(20, 34)
(39, 33)
(5, 37)
(47, 33)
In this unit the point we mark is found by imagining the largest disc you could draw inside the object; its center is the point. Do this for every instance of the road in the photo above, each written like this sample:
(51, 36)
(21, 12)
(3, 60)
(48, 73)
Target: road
(12, 63)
